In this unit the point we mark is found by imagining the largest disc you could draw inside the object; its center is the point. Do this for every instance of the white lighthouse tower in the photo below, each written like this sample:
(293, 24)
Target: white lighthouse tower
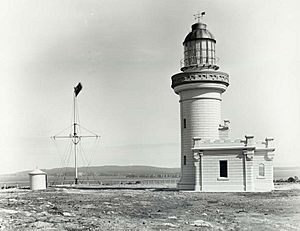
(210, 160)
(200, 86)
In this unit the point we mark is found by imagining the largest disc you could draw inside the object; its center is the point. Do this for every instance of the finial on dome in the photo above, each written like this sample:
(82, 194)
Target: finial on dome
(199, 16)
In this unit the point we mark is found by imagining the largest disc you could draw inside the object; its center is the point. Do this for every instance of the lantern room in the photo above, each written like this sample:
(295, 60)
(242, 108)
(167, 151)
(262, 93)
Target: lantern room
(199, 49)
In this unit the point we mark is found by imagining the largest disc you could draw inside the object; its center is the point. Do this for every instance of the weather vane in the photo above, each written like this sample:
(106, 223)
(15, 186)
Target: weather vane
(199, 16)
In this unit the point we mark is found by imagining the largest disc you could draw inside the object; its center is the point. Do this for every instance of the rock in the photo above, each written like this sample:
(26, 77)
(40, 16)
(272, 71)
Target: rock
(204, 214)
(27, 214)
(57, 219)
(10, 211)
(171, 225)
(212, 201)
(49, 204)
(240, 211)
(201, 223)
(74, 227)
(41, 225)
(66, 214)
(44, 213)
(172, 217)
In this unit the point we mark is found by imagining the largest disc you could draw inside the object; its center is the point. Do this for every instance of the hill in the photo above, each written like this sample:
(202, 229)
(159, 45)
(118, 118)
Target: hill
(99, 171)
(129, 171)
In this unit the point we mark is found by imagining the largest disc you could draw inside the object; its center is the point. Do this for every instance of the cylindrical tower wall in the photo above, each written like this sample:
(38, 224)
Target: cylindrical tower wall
(202, 117)
(200, 113)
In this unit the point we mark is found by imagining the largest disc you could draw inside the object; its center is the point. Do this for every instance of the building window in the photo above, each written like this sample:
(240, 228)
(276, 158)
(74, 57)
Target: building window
(261, 170)
(184, 123)
(223, 168)
(184, 160)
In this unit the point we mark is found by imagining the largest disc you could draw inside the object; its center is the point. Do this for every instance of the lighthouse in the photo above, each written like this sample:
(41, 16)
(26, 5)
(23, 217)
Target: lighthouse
(210, 161)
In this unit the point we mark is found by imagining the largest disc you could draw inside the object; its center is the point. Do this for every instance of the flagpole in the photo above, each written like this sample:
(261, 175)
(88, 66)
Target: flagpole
(75, 138)
(75, 141)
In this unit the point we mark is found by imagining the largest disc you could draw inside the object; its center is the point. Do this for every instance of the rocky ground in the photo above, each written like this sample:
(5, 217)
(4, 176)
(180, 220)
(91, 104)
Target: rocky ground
(73, 209)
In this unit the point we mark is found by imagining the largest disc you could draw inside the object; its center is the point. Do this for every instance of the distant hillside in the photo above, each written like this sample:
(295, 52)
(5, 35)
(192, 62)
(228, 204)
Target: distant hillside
(120, 170)
(113, 170)
(129, 171)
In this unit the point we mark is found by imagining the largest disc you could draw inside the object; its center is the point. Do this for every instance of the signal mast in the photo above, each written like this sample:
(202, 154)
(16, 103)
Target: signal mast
(74, 135)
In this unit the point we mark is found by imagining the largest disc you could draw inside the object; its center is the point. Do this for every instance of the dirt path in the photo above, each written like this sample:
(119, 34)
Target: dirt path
(61, 209)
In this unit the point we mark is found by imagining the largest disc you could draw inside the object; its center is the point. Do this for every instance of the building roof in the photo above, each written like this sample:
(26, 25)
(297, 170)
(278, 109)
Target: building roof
(37, 172)
(199, 31)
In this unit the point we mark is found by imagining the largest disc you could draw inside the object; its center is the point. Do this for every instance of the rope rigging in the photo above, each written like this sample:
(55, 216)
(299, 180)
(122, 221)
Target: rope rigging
(75, 138)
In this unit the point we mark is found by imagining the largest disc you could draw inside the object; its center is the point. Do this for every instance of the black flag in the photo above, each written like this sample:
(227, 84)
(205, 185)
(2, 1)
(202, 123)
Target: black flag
(77, 89)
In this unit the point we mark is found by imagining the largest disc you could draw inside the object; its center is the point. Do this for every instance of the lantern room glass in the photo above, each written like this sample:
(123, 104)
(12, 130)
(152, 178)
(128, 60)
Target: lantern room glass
(199, 52)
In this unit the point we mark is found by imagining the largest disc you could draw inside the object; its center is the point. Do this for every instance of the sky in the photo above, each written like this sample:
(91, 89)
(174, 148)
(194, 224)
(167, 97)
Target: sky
(124, 54)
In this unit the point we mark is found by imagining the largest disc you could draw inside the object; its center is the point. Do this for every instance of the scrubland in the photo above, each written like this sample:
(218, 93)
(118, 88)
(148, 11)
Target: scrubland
(149, 209)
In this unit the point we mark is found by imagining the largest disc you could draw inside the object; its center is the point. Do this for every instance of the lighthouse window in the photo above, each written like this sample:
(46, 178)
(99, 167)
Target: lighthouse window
(209, 45)
(261, 170)
(184, 160)
(203, 45)
(223, 168)
(209, 53)
(184, 123)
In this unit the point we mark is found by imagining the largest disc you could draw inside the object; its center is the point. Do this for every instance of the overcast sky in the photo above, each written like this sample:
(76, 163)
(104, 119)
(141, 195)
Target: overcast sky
(124, 54)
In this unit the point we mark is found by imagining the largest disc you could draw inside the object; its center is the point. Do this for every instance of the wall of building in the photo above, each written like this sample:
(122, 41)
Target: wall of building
(263, 183)
(38, 182)
(242, 167)
(211, 171)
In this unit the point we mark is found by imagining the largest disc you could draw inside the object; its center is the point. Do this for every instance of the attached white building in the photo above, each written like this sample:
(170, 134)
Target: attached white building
(210, 160)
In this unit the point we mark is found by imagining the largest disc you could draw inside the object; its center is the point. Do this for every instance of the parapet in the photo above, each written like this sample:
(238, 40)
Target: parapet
(247, 143)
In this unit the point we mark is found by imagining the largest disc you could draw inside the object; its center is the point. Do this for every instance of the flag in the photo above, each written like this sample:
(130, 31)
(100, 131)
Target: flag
(77, 89)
